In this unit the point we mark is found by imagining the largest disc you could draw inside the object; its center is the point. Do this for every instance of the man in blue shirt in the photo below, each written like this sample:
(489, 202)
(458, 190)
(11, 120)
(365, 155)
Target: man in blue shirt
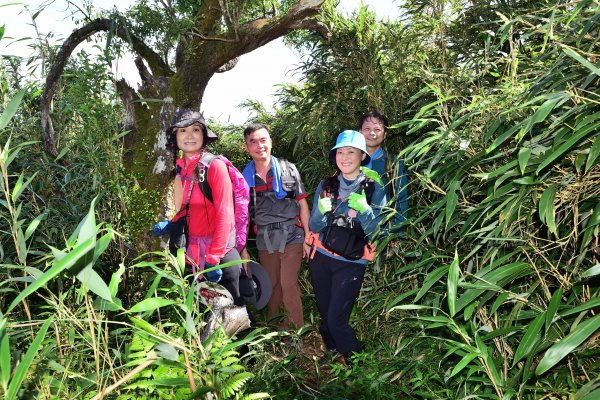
(373, 125)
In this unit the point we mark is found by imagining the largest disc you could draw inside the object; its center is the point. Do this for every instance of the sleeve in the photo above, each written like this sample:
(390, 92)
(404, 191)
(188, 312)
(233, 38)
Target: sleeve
(401, 199)
(300, 190)
(371, 219)
(317, 220)
(222, 192)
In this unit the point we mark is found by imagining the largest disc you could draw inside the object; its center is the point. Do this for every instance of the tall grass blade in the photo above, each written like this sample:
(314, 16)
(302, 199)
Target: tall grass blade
(21, 370)
(4, 354)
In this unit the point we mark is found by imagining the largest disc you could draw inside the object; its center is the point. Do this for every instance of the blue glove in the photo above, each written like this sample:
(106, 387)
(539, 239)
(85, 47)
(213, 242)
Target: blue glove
(161, 228)
(212, 276)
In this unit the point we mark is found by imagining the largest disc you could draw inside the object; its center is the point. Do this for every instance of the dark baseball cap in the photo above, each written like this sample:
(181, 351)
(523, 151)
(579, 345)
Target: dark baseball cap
(186, 117)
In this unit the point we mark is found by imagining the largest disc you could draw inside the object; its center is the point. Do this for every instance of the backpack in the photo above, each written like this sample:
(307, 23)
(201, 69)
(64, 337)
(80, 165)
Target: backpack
(241, 196)
(342, 235)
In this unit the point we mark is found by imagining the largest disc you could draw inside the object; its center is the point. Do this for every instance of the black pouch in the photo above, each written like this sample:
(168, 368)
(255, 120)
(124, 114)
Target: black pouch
(178, 235)
(344, 238)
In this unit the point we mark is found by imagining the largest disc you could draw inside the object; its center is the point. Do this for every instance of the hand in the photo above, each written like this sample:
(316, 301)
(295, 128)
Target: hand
(325, 205)
(306, 248)
(358, 202)
(161, 228)
(212, 276)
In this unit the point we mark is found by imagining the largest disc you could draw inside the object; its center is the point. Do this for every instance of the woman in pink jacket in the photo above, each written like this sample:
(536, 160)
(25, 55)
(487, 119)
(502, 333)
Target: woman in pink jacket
(211, 223)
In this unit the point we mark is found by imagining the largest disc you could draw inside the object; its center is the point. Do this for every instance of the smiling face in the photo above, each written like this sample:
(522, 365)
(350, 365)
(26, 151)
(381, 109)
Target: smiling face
(348, 160)
(374, 132)
(258, 145)
(190, 139)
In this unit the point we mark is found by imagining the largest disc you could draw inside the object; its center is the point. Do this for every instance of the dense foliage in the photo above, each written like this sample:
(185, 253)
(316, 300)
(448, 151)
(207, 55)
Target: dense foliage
(492, 292)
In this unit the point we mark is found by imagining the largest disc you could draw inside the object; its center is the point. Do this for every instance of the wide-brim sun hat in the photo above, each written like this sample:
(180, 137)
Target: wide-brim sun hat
(350, 138)
(187, 117)
(262, 285)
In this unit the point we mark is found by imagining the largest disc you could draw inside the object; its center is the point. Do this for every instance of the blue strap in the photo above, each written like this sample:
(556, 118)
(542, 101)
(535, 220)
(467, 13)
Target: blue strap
(250, 172)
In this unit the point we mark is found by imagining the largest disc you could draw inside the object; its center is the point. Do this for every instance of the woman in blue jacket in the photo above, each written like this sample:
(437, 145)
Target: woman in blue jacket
(346, 214)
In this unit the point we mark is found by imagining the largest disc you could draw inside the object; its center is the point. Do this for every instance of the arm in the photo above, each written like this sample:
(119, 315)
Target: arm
(317, 221)
(372, 217)
(401, 200)
(177, 193)
(220, 184)
(304, 217)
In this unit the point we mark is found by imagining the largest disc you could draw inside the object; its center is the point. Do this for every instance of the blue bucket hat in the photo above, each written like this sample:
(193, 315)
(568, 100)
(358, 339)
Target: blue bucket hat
(352, 139)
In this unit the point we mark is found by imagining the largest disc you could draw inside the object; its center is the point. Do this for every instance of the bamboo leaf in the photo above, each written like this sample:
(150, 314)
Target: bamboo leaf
(151, 304)
(567, 145)
(87, 227)
(433, 277)
(546, 204)
(34, 224)
(167, 351)
(115, 279)
(595, 217)
(11, 109)
(451, 200)
(91, 280)
(553, 307)
(463, 363)
(25, 363)
(524, 154)
(453, 274)
(17, 192)
(4, 354)
(561, 349)
(530, 339)
(591, 303)
(593, 155)
(571, 53)
(488, 360)
(498, 276)
(59, 266)
(595, 270)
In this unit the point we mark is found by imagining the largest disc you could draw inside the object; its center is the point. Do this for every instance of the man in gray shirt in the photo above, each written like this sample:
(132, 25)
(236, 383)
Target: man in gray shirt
(280, 211)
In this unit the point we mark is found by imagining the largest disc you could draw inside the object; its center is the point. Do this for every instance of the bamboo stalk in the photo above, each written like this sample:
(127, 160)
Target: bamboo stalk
(125, 378)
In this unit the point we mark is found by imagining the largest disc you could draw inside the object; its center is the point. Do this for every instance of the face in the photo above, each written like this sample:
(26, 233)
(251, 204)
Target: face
(258, 145)
(348, 160)
(190, 139)
(374, 132)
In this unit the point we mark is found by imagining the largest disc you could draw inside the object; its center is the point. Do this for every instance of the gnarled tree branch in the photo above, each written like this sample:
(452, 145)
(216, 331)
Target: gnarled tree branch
(157, 65)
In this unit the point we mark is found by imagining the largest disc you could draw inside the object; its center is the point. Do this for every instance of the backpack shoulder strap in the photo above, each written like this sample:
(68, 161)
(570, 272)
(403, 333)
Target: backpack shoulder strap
(368, 185)
(205, 188)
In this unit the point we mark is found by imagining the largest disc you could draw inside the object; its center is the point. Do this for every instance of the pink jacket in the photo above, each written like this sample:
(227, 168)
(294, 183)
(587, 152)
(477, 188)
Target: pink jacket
(209, 222)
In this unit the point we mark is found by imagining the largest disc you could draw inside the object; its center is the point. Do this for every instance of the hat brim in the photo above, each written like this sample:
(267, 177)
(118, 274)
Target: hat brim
(333, 151)
(264, 288)
(210, 135)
